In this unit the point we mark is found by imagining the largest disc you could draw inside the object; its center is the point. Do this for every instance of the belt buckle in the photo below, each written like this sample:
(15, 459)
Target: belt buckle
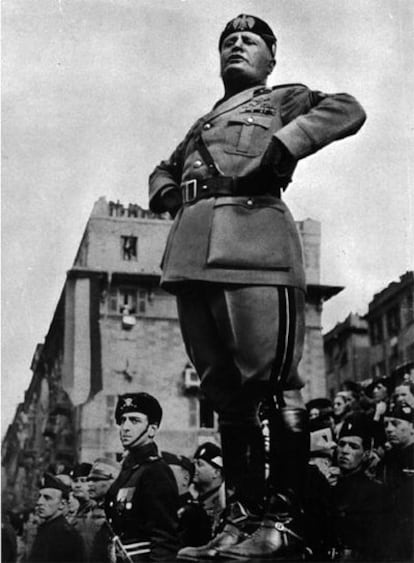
(190, 190)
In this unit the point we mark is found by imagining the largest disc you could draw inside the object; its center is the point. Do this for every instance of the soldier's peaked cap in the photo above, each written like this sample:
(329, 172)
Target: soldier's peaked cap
(139, 402)
(49, 481)
(245, 22)
(358, 425)
(104, 468)
(211, 453)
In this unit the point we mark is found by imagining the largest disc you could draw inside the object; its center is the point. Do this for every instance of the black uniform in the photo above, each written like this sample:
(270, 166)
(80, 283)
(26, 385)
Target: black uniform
(194, 525)
(57, 542)
(360, 512)
(142, 505)
(399, 480)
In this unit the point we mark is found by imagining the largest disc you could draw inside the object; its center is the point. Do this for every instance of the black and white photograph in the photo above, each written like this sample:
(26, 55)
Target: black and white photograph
(207, 309)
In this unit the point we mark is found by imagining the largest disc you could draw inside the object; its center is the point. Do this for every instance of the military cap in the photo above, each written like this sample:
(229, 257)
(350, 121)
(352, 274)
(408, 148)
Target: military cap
(211, 453)
(49, 481)
(402, 412)
(81, 470)
(139, 402)
(180, 460)
(360, 425)
(244, 22)
(103, 469)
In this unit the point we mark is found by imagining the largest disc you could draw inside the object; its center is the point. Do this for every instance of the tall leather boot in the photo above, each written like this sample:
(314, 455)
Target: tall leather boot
(280, 534)
(244, 464)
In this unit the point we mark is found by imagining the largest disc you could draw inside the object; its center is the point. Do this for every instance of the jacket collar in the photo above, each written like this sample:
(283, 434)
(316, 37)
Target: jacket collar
(140, 454)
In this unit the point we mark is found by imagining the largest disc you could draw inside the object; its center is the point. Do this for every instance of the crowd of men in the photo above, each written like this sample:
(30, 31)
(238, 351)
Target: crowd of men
(161, 506)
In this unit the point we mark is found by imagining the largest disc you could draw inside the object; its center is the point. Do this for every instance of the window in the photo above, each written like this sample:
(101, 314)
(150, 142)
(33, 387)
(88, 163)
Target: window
(393, 321)
(129, 248)
(126, 300)
(207, 415)
(377, 333)
(110, 406)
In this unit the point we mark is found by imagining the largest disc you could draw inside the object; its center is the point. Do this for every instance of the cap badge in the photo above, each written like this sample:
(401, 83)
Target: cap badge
(128, 402)
(243, 22)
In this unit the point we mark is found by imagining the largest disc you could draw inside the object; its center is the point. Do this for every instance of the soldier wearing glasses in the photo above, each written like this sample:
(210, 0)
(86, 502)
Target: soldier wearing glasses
(234, 261)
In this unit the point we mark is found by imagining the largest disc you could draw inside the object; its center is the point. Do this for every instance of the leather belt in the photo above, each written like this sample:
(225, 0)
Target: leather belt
(193, 190)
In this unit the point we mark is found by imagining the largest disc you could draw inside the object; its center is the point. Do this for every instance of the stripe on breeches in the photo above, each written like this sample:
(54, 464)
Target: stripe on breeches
(285, 342)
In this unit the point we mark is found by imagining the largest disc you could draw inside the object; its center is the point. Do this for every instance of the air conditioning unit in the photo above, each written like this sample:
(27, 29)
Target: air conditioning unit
(128, 321)
(191, 379)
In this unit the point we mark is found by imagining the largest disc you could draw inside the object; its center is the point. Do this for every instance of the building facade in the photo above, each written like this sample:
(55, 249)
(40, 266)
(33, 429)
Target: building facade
(390, 319)
(115, 331)
(347, 352)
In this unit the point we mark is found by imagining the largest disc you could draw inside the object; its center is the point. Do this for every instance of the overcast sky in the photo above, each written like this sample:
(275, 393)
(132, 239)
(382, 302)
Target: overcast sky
(96, 92)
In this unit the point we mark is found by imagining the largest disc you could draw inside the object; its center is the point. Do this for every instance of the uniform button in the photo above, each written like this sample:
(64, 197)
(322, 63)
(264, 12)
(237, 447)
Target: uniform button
(111, 503)
(249, 202)
(197, 163)
(204, 187)
(250, 120)
(207, 126)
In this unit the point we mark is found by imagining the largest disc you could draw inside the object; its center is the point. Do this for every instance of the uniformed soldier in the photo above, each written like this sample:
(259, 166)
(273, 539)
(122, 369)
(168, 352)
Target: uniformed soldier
(56, 540)
(234, 260)
(194, 525)
(141, 505)
(101, 476)
(398, 475)
(360, 504)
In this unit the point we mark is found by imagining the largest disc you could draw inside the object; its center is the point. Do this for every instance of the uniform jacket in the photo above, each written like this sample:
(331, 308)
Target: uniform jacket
(398, 475)
(361, 513)
(57, 542)
(246, 239)
(214, 503)
(142, 504)
(194, 525)
(84, 523)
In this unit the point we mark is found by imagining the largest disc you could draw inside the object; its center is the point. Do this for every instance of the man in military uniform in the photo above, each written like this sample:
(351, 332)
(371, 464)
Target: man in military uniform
(194, 525)
(101, 476)
(398, 475)
(56, 541)
(80, 491)
(234, 260)
(141, 505)
(360, 504)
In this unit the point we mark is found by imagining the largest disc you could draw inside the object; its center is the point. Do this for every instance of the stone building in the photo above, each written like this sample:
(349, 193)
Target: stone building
(115, 331)
(391, 326)
(347, 351)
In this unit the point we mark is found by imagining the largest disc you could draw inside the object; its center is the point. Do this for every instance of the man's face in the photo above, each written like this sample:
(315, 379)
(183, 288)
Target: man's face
(350, 453)
(98, 487)
(80, 488)
(49, 503)
(399, 432)
(403, 396)
(134, 430)
(204, 472)
(379, 393)
(245, 56)
(339, 406)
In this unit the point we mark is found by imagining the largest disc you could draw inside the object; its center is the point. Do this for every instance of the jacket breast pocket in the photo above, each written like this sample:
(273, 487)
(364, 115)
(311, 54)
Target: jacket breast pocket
(247, 236)
(247, 135)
